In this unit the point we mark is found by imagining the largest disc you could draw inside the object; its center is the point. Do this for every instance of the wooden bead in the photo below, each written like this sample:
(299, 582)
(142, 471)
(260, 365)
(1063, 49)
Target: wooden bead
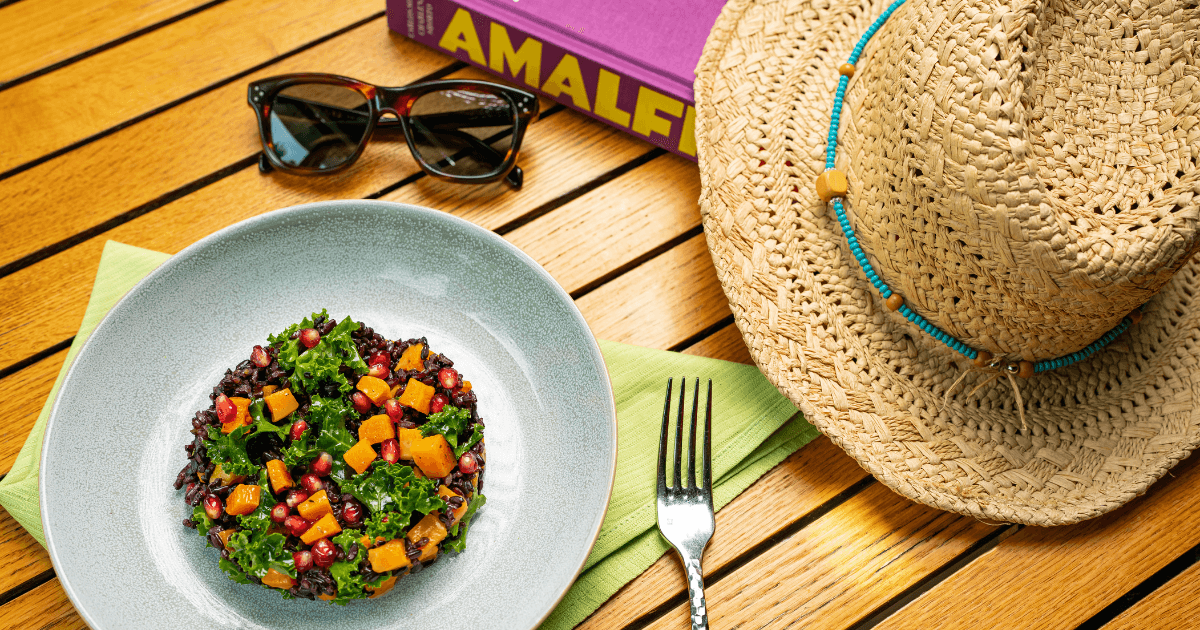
(846, 69)
(895, 302)
(1136, 316)
(983, 358)
(1025, 369)
(832, 183)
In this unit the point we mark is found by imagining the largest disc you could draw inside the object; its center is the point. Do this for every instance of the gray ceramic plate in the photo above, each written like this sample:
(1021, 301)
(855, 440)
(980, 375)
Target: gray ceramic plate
(114, 443)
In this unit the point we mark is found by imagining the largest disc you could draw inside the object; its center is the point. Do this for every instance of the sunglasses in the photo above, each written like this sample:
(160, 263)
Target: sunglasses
(459, 131)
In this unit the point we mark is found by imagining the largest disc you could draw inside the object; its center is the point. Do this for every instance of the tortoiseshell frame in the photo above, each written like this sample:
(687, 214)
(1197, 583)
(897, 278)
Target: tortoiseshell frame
(397, 101)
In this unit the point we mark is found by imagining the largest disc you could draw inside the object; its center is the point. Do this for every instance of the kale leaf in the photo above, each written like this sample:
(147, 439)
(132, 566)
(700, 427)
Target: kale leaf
(257, 552)
(229, 450)
(322, 362)
(396, 488)
(453, 423)
(350, 583)
(386, 525)
(326, 418)
(262, 425)
(235, 572)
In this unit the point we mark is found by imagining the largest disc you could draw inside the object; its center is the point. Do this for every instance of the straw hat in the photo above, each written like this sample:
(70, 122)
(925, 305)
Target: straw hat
(1024, 175)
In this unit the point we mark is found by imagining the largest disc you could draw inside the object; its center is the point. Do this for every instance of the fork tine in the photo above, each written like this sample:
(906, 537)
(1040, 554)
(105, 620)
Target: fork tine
(691, 479)
(679, 435)
(707, 440)
(662, 443)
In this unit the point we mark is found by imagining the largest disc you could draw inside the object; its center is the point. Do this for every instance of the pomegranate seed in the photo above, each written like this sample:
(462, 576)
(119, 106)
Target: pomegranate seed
(322, 465)
(379, 371)
(296, 497)
(213, 506)
(324, 553)
(437, 402)
(448, 377)
(226, 410)
(298, 429)
(312, 483)
(381, 358)
(394, 409)
(303, 560)
(389, 450)
(362, 404)
(296, 525)
(279, 513)
(310, 337)
(259, 357)
(352, 513)
(467, 464)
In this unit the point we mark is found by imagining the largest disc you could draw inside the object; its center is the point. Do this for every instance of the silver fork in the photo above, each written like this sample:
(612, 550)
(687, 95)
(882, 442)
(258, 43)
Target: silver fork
(685, 514)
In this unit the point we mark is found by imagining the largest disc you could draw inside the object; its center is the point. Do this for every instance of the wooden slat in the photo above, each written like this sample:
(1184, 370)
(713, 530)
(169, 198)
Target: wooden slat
(47, 300)
(44, 608)
(24, 558)
(1174, 605)
(726, 344)
(19, 406)
(1059, 577)
(793, 489)
(661, 303)
(182, 145)
(641, 210)
(111, 87)
(840, 568)
(35, 34)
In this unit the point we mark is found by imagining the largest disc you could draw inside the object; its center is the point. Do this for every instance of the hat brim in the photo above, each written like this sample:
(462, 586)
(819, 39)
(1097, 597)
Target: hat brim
(1099, 432)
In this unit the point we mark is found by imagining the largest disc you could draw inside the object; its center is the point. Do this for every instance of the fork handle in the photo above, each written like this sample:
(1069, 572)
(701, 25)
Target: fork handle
(696, 594)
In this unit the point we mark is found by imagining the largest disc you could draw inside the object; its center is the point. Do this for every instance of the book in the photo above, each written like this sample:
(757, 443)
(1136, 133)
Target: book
(626, 63)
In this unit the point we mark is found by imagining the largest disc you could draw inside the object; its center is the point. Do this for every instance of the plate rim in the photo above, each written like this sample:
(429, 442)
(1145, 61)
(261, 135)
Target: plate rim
(333, 204)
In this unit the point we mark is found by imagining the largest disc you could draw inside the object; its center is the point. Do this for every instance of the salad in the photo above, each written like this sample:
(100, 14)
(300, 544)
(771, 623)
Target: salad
(332, 462)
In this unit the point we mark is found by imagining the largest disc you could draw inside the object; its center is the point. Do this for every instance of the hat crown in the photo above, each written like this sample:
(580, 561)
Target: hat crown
(1025, 174)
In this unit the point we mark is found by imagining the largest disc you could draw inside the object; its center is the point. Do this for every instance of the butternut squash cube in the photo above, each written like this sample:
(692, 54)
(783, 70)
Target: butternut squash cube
(326, 597)
(243, 500)
(243, 415)
(360, 456)
(281, 403)
(326, 527)
(224, 535)
(277, 472)
(446, 493)
(376, 429)
(276, 579)
(387, 585)
(267, 389)
(315, 507)
(434, 456)
(416, 395)
(375, 388)
(388, 557)
(466, 386)
(410, 359)
(429, 527)
(406, 437)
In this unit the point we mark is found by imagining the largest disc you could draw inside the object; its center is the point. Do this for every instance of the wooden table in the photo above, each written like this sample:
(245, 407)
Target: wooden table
(126, 120)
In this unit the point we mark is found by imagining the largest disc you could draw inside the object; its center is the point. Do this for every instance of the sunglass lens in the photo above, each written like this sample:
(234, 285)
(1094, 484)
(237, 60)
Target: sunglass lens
(318, 125)
(463, 132)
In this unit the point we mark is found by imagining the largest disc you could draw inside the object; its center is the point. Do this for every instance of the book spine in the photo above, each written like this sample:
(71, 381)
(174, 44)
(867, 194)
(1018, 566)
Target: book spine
(528, 58)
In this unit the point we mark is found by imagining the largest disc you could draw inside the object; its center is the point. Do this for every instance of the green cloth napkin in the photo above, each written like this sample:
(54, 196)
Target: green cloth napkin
(754, 428)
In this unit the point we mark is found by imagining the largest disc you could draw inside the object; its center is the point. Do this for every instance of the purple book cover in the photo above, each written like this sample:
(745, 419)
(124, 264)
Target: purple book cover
(628, 64)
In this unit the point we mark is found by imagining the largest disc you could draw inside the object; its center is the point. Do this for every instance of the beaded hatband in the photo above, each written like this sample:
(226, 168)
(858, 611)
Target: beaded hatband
(832, 187)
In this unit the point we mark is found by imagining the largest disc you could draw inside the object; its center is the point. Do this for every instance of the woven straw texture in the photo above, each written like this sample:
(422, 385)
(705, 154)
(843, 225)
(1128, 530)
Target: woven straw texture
(1024, 175)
